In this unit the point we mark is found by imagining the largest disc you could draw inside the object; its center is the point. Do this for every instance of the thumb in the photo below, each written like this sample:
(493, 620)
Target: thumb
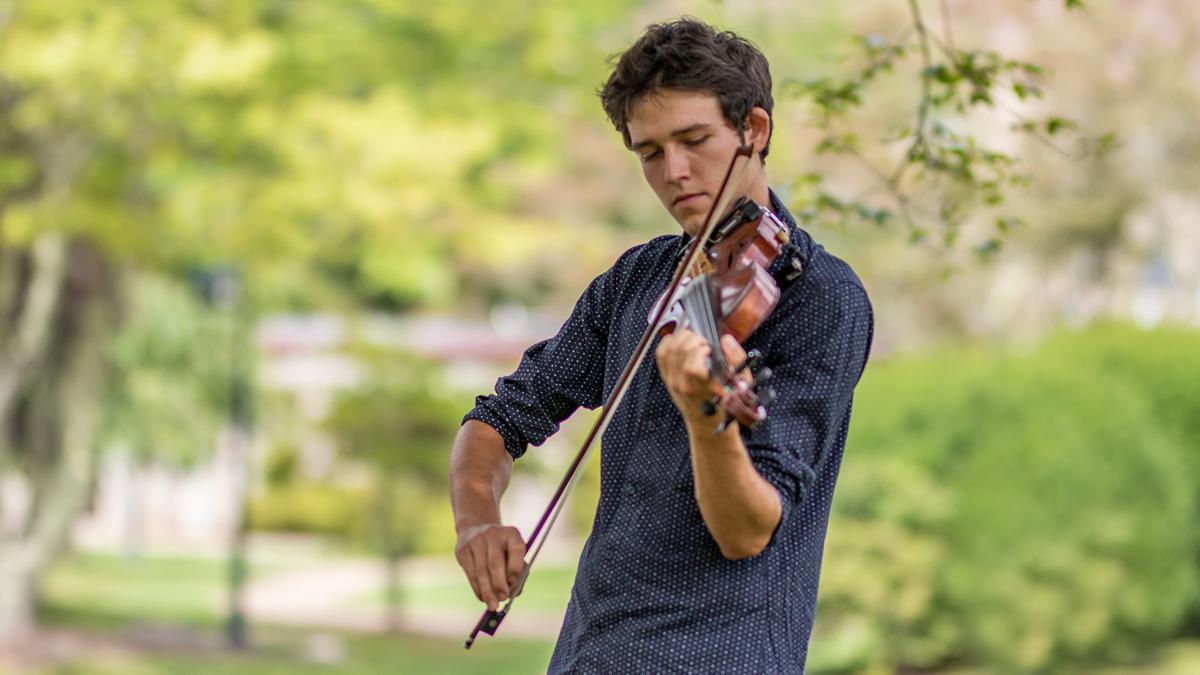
(734, 355)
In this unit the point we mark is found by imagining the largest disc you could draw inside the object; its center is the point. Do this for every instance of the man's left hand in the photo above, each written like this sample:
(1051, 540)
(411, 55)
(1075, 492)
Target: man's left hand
(683, 365)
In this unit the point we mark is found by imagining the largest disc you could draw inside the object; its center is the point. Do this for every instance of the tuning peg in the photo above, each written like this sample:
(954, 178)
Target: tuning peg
(709, 407)
(752, 358)
(762, 376)
(766, 397)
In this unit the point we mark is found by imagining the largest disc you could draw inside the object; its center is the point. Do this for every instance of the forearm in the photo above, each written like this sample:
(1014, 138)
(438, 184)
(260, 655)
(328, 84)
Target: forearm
(740, 508)
(479, 471)
(491, 555)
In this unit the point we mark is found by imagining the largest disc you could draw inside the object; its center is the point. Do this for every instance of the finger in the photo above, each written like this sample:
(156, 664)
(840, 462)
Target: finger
(679, 347)
(486, 592)
(664, 348)
(689, 340)
(495, 560)
(735, 355)
(467, 561)
(671, 352)
(516, 560)
(695, 360)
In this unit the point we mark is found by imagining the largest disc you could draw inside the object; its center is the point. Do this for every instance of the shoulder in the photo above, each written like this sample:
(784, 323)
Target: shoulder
(639, 263)
(826, 306)
(828, 282)
(648, 254)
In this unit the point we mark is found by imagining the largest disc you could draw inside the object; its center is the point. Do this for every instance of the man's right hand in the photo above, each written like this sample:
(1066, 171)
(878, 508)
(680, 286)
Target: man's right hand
(493, 557)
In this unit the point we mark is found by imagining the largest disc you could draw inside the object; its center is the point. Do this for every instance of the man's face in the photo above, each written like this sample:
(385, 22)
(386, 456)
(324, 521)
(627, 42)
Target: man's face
(685, 146)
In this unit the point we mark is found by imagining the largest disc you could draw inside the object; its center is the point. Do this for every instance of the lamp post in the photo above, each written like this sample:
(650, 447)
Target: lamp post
(222, 288)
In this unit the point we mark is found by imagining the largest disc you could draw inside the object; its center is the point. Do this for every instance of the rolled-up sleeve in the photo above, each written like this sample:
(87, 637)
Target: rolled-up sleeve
(556, 376)
(815, 367)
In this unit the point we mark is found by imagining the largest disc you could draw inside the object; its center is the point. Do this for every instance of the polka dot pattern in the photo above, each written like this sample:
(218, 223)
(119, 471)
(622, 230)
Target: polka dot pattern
(653, 592)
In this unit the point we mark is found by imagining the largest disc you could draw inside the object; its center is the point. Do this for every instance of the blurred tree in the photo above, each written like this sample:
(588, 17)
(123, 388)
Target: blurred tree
(336, 152)
(170, 383)
(57, 313)
(398, 424)
(935, 170)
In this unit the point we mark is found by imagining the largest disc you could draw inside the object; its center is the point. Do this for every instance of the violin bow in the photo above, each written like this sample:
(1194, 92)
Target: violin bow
(491, 619)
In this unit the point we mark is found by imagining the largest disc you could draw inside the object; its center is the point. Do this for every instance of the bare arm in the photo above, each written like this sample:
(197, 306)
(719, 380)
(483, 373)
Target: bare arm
(740, 508)
(491, 555)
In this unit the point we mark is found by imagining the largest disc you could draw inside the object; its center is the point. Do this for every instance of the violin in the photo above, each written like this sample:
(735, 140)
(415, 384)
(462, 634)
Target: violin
(728, 291)
(720, 286)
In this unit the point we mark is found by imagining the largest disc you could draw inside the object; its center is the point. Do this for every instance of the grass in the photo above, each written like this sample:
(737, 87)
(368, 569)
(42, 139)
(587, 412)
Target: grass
(362, 656)
(99, 591)
(547, 590)
(115, 604)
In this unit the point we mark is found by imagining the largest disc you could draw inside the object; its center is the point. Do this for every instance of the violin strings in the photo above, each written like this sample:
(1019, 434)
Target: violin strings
(701, 308)
(722, 366)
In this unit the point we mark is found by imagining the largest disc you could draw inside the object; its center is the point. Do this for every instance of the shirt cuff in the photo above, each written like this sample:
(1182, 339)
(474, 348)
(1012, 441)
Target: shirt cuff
(513, 442)
(792, 483)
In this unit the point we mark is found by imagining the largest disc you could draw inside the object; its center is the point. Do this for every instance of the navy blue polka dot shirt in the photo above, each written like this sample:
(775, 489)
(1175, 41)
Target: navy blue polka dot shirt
(653, 592)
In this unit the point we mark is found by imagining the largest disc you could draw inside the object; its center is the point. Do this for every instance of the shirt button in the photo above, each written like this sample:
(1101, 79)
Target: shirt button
(629, 489)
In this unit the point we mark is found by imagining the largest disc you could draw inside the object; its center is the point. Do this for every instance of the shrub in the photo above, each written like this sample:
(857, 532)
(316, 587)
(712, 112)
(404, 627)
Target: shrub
(312, 508)
(1022, 510)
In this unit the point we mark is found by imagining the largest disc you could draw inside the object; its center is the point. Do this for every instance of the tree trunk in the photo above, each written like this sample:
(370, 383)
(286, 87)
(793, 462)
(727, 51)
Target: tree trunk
(31, 286)
(52, 425)
(391, 554)
(16, 603)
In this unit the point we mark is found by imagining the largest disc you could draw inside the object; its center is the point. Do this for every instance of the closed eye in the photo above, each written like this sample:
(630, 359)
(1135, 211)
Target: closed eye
(695, 141)
(648, 156)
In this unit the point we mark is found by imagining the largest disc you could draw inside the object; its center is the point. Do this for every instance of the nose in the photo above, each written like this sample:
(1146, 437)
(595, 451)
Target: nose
(676, 166)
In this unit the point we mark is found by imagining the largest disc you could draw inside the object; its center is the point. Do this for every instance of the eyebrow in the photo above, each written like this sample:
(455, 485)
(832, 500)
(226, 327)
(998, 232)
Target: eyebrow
(678, 132)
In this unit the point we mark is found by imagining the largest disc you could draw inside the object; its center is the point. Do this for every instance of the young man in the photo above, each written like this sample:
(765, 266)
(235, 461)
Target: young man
(706, 548)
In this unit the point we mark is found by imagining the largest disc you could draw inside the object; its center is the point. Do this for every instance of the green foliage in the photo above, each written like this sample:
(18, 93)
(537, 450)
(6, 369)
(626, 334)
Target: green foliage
(310, 507)
(400, 420)
(172, 370)
(334, 151)
(393, 433)
(1024, 510)
(1162, 366)
(399, 424)
(945, 173)
(281, 466)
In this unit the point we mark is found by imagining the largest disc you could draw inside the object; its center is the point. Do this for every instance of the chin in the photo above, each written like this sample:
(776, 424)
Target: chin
(691, 223)
(696, 222)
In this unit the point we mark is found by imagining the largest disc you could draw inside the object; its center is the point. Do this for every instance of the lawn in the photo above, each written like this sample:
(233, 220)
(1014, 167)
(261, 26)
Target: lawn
(360, 656)
(546, 590)
(165, 615)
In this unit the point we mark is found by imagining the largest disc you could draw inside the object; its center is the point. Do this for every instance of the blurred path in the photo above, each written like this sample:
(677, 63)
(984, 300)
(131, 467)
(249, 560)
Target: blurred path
(332, 595)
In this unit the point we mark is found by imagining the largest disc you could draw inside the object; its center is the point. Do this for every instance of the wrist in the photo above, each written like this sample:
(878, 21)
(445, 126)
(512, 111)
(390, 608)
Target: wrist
(702, 427)
(465, 524)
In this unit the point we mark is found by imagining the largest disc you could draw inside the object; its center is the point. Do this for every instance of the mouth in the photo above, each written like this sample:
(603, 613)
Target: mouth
(685, 198)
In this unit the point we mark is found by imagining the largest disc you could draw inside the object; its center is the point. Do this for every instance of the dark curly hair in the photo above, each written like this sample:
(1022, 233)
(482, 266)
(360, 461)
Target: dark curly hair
(690, 55)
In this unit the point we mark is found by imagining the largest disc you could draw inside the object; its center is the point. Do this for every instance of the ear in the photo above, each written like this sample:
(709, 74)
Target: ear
(758, 126)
